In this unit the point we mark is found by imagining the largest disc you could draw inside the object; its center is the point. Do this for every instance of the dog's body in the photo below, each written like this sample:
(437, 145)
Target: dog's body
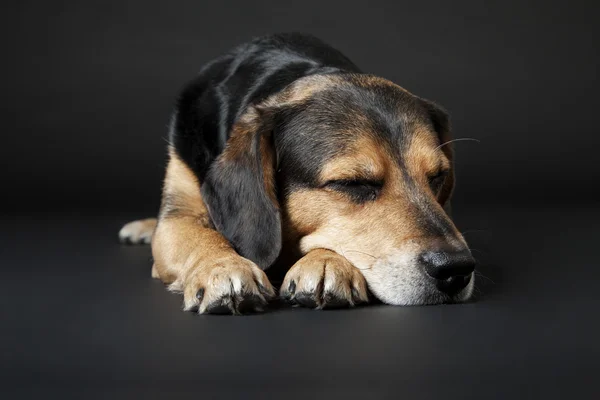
(282, 152)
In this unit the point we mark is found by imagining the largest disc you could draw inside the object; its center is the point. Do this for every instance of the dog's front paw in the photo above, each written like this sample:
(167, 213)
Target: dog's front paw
(230, 285)
(324, 279)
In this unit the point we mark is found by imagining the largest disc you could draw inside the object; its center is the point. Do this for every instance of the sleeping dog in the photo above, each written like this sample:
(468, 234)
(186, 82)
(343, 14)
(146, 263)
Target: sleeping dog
(284, 156)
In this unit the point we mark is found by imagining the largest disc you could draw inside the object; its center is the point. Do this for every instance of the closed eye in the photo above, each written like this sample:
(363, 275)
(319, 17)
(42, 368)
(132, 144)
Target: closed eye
(359, 190)
(436, 181)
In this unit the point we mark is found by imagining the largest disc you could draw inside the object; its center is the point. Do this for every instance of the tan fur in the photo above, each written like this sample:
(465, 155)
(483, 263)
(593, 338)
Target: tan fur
(181, 194)
(267, 158)
(448, 151)
(301, 90)
(364, 160)
(192, 256)
(424, 158)
(374, 81)
(325, 274)
(240, 141)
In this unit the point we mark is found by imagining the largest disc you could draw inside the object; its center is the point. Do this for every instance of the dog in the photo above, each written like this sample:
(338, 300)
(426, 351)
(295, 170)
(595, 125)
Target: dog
(283, 153)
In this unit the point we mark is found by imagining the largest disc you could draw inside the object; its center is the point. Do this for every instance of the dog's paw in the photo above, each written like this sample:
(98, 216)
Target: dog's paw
(324, 279)
(138, 232)
(231, 285)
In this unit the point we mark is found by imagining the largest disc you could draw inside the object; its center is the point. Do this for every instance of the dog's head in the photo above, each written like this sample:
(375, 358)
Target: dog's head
(350, 163)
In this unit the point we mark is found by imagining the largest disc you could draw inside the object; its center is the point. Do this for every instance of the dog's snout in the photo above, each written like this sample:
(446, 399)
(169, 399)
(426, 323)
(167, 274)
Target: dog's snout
(452, 270)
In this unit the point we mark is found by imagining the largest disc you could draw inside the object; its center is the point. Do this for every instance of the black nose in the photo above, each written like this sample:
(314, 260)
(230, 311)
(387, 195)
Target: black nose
(452, 270)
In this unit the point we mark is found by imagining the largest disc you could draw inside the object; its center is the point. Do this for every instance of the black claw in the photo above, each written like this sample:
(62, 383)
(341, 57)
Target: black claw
(356, 296)
(330, 300)
(289, 293)
(306, 299)
(221, 306)
(286, 296)
(263, 290)
(249, 303)
(200, 295)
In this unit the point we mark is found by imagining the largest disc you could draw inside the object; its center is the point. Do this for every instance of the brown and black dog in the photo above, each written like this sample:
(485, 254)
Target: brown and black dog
(282, 153)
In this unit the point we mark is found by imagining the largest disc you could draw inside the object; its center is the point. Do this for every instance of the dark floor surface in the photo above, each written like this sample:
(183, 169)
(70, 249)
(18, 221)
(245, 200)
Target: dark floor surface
(83, 319)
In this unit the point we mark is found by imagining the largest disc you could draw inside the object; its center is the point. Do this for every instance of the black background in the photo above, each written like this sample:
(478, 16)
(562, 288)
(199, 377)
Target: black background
(86, 96)
(89, 87)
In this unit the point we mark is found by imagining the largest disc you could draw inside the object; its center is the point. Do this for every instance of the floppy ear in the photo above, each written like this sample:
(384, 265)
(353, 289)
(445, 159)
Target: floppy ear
(239, 190)
(441, 124)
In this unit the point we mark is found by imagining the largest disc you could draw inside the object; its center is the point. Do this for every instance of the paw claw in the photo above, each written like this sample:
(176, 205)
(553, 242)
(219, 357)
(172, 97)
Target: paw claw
(223, 305)
(324, 279)
(330, 300)
(250, 304)
(268, 294)
(306, 300)
(200, 294)
(356, 296)
(232, 285)
(292, 287)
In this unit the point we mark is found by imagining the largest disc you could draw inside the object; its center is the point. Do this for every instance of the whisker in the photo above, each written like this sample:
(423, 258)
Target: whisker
(343, 253)
(479, 251)
(475, 230)
(480, 275)
(358, 251)
(362, 252)
(458, 140)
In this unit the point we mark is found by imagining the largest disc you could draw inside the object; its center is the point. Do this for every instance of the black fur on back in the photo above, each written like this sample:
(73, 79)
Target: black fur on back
(210, 104)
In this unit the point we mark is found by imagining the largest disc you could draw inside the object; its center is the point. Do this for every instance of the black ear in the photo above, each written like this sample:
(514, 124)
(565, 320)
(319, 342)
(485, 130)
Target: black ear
(239, 191)
(441, 123)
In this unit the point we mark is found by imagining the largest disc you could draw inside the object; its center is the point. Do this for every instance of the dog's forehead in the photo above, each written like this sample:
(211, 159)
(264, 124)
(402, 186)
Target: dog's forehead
(350, 115)
(356, 106)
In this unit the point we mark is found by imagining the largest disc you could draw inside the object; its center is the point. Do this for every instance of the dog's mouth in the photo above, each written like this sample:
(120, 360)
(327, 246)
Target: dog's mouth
(423, 294)
(409, 285)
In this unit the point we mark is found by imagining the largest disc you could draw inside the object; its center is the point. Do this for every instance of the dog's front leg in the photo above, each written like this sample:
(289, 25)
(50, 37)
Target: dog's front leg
(200, 263)
(195, 259)
(323, 279)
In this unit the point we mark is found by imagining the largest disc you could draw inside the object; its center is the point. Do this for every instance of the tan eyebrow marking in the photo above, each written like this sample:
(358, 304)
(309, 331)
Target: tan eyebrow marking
(423, 155)
(348, 169)
(365, 161)
(444, 163)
